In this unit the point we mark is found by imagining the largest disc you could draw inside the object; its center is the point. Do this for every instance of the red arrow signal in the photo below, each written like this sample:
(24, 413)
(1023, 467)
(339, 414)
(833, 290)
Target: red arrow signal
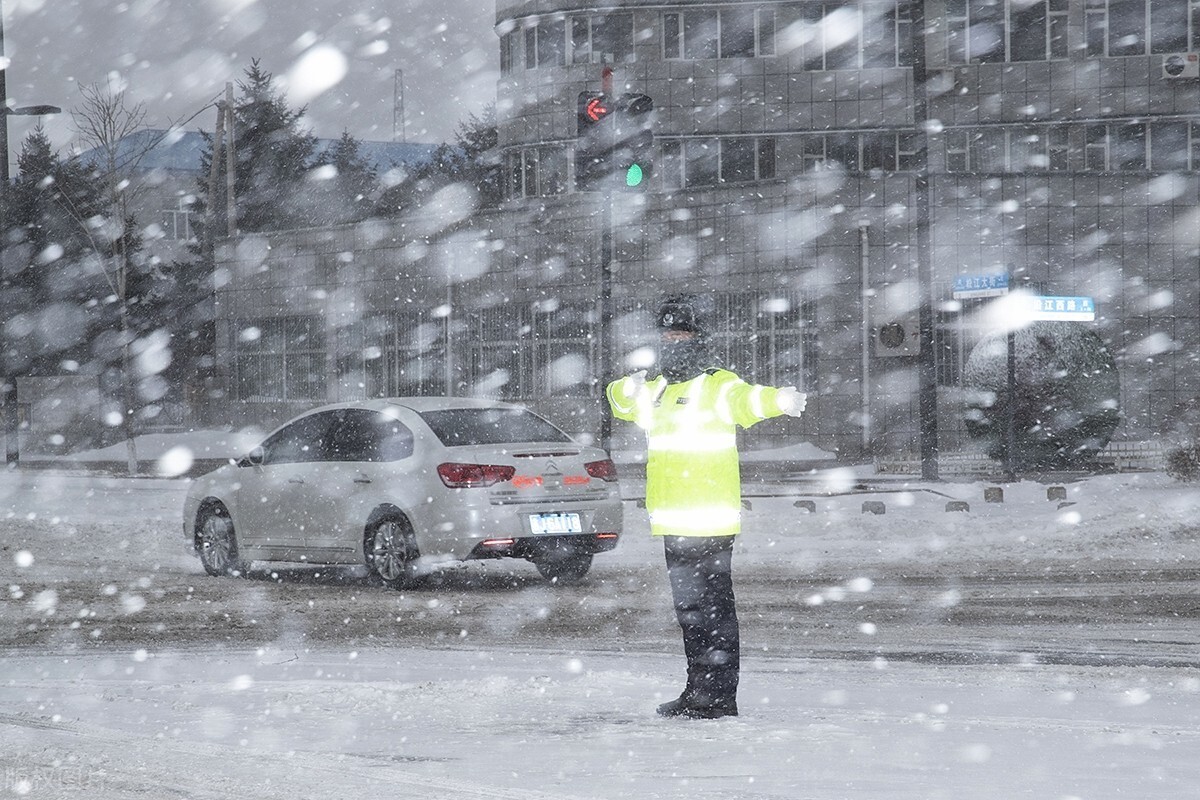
(595, 109)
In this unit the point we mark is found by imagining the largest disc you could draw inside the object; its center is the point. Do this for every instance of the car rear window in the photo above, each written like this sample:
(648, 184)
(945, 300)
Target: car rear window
(467, 426)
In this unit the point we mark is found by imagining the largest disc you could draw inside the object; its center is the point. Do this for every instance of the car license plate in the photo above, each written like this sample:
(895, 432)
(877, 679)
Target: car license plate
(555, 523)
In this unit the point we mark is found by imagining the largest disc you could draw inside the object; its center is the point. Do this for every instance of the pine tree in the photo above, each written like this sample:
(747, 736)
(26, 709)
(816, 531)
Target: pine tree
(350, 191)
(472, 158)
(273, 157)
(52, 262)
(477, 139)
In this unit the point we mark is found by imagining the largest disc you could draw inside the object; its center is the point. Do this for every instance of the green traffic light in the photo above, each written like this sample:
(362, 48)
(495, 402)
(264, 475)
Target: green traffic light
(633, 175)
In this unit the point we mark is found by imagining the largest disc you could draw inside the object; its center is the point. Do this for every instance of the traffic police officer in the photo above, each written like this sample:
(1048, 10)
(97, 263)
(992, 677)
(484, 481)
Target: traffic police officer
(693, 492)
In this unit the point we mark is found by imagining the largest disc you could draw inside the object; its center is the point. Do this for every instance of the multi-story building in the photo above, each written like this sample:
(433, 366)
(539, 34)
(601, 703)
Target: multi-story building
(1063, 149)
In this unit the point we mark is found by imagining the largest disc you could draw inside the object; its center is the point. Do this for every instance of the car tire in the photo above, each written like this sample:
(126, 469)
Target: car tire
(390, 550)
(565, 570)
(216, 543)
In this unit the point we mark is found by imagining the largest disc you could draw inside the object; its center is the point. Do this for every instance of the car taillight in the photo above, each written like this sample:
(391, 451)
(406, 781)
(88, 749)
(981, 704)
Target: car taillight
(466, 476)
(605, 470)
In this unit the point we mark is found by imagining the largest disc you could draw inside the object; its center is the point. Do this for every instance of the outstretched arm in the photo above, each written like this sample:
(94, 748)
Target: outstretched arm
(746, 404)
(623, 395)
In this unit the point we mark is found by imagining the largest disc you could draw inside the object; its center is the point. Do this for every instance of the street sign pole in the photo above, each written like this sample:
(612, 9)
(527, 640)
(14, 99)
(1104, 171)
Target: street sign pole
(996, 285)
(1010, 433)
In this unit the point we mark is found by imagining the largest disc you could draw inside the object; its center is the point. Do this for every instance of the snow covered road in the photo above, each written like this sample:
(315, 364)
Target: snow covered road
(1018, 650)
(463, 723)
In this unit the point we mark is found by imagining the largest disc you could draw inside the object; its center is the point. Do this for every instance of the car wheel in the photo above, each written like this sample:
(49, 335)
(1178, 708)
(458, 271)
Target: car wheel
(391, 552)
(565, 570)
(216, 543)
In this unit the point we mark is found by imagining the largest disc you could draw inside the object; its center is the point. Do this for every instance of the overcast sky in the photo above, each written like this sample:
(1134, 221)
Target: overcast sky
(176, 55)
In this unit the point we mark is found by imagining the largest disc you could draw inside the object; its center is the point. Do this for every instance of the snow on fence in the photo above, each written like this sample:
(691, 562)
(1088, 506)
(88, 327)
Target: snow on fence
(1118, 456)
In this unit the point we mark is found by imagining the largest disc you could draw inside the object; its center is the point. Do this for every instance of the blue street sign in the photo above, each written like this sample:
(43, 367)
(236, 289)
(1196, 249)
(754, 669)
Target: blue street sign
(1062, 309)
(966, 286)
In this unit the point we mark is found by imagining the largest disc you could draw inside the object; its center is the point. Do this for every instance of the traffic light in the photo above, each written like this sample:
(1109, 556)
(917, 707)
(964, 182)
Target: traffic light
(593, 141)
(614, 142)
(633, 154)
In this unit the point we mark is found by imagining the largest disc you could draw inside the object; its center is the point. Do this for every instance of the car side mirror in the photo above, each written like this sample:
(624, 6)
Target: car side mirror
(255, 457)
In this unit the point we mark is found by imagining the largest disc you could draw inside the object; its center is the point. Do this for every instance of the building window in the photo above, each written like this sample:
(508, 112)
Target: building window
(1019, 150)
(536, 172)
(834, 38)
(606, 38)
(551, 43)
(564, 357)
(975, 31)
(1170, 146)
(1118, 27)
(832, 151)
(1058, 147)
(1170, 25)
(956, 151)
(404, 354)
(737, 160)
(177, 223)
(508, 51)
(530, 48)
(1058, 46)
(702, 162)
(888, 151)
(765, 24)
(731, 32)
(1127, 27)
(1095, 149)
(498, 361)
(1095, 25)
(280, 359)
(770, 340)
(1115, 148)
(887, 38)
(553, 162)
(1195, 126)
(786, 342)
(672, 165)
(525, 173)
(1037, 31)
(766, 158)
(1130, 150)
(737, 32)
(691, 34)
(712, 161)
(983, 31)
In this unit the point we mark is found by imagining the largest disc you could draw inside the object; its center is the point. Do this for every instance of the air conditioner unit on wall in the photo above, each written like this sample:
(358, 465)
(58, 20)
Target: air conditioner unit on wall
(897, 335)
(1181, 65)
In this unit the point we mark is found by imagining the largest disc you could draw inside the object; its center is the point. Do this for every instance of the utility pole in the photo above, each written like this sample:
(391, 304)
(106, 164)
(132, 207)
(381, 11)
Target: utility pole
(399, 134)
(926, 360)
(231, 226)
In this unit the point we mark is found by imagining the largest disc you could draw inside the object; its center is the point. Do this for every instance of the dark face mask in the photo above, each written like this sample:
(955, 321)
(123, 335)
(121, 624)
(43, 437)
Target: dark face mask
(683, 360)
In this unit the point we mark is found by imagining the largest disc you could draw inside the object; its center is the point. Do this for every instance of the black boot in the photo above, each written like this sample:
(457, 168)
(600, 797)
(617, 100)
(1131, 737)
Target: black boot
(693, 708)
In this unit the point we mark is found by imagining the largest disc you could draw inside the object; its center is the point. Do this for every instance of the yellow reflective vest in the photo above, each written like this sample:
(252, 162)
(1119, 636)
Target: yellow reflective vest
(693, 486)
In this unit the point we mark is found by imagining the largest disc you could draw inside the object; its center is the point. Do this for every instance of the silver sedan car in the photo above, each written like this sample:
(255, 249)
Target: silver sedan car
(399, 484)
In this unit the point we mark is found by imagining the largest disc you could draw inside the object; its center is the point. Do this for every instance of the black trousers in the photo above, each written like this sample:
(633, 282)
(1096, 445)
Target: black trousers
(700, 569)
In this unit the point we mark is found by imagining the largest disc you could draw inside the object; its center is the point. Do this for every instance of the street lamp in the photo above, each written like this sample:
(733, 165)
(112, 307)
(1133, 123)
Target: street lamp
(12, 427)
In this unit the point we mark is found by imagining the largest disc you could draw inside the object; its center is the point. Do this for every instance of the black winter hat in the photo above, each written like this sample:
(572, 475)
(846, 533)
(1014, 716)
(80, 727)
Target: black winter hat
(680, 313)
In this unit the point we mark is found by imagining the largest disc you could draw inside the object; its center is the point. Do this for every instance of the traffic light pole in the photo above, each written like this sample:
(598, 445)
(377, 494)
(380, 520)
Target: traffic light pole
(607, 349)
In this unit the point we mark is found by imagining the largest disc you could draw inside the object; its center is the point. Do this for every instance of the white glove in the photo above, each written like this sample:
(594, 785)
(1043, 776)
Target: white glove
(791, 401)
(633, 385)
